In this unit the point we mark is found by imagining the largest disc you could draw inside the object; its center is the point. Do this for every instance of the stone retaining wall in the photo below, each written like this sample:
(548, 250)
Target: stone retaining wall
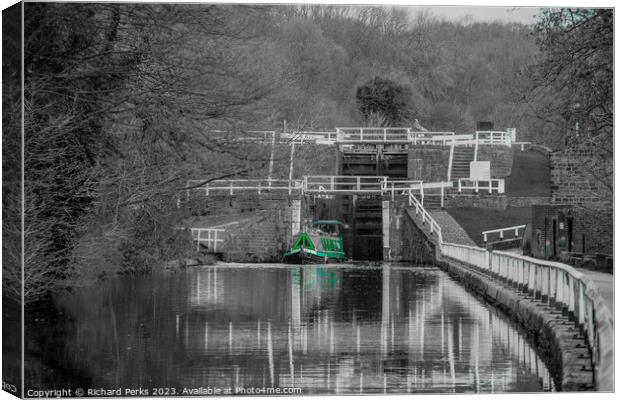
(493, 201)
(558, 340)
(262, 231)
(407, 242)
(429, 163)
(500, 158)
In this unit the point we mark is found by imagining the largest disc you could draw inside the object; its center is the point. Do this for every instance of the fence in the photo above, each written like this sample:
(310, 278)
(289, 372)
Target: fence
(491, 185)
(501, 231)
(210, 241)
(495, 137)
(237, 185)
(301, 137)
(555, 284)
(431, 138)
(372, 135)
(426, 217)
(383, 135)
(344, 184)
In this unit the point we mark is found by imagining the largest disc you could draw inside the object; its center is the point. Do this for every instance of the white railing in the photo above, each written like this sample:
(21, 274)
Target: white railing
(450, 161)
(402, 186)
(343, 184)
(372, 135)
(431, 138)
(211, 240)
(237, 185)
(501, 231)
(320, 184)
(317, 137)
(494, 137)
(469, 254)
(426, 217)
(490, 185)
(556, 284)
(384, 135)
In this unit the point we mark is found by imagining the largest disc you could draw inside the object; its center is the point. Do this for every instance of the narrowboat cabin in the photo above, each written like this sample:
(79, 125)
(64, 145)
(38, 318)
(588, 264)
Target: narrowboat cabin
(320, 243)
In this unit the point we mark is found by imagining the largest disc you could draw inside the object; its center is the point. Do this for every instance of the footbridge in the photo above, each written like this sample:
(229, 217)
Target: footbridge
(342, 184)
(380, 135)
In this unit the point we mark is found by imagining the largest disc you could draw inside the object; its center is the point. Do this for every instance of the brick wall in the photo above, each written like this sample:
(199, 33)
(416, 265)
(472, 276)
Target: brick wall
(500, 158)
(428, 163)
(576, 180)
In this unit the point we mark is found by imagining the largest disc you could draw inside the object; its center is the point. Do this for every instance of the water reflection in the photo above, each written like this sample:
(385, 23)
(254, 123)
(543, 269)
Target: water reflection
(327, 329)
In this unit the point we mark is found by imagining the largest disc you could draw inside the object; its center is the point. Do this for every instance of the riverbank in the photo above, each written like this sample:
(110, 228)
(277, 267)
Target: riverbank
(558, 340)
(175, 265)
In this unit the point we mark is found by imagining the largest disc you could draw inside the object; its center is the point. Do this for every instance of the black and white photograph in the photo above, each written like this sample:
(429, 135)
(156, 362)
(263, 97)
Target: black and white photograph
(306, 199)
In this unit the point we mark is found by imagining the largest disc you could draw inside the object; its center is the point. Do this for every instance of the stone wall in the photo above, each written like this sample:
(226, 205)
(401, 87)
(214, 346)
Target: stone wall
(407, 242)
(264, 238)
(428, 163)
(500, 158)
(493, 201)
(261, 224)
(576, 179)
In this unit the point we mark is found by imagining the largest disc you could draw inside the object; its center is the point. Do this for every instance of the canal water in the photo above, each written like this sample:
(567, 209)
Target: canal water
(324, 329)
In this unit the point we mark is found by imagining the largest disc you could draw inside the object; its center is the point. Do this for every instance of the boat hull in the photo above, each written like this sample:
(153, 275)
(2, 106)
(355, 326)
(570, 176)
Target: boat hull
(303, 256)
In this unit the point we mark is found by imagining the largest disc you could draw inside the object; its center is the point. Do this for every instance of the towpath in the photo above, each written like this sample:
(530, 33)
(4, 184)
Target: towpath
(605, 283)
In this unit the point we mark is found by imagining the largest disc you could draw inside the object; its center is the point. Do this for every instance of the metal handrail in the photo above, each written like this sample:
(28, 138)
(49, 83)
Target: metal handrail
(211, 238)
(426, 216)
(476, 185)
(554, 283)
(232, 185)
(501, 231)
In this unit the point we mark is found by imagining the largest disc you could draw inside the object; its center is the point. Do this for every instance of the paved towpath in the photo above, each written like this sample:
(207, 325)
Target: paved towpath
(605, 283)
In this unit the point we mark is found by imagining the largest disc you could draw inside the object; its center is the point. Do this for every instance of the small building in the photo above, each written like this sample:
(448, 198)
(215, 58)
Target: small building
(552, 232)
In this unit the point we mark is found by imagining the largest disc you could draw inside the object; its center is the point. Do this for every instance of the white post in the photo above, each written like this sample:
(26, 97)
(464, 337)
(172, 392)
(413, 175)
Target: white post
(331, 183)
(231, 187)
(442, 193)
(290, 170)
(214, 241)
(476, 147)
(450, 160)
(476, 185)
(273, 145)
(358, 184)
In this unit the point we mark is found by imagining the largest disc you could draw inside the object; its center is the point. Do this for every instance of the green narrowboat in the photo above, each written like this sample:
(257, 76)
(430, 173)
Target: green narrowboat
(320, 243)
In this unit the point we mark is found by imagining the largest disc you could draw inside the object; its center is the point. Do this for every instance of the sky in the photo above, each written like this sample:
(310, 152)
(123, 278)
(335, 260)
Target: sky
(480, 14)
